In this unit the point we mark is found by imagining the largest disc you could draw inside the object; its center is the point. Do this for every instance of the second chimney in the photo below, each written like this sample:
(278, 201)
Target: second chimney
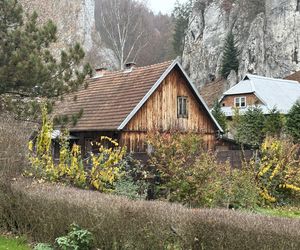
(100, 71)
(130, 66)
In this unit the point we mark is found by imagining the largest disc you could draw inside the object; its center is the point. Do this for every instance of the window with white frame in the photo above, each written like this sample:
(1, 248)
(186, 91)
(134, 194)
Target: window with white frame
(240, 102)
(182, 107)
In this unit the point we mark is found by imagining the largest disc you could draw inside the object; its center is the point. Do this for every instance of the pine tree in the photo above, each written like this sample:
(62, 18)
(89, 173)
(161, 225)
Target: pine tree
(219, 115)
(230, 56)
(250, 127)
(274, 123)
(29, 71)
(293, 122)
(181, 14)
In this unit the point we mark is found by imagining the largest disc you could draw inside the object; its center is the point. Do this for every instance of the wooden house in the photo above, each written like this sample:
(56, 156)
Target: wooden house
(127, 105)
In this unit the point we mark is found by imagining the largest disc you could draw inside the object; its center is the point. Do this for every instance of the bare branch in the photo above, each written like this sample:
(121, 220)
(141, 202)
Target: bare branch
(121, 27)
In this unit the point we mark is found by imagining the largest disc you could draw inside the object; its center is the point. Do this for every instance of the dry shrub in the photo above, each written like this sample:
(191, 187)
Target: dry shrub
(14, 137)
(45, 211)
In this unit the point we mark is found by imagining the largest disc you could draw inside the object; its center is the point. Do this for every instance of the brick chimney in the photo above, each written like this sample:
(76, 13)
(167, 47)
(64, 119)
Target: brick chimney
(100, 71)
(129, 67)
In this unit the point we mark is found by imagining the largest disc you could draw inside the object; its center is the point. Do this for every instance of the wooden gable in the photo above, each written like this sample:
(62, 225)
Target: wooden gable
(159, 113)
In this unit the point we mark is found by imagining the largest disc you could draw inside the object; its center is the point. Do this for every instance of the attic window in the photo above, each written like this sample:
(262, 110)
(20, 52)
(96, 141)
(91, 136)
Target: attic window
(240, 102)
(182, 107)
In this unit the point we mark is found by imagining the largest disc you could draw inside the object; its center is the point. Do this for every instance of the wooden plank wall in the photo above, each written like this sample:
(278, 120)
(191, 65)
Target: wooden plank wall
(160, 113)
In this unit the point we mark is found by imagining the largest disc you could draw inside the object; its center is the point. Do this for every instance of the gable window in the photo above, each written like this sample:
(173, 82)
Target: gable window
(182, 107)
(240, 102)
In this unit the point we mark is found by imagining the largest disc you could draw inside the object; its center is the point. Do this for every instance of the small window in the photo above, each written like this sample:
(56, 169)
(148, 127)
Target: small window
(240, 102)
(182, 107)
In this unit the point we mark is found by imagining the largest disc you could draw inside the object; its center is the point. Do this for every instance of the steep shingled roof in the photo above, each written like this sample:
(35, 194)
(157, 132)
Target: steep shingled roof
(111, 100)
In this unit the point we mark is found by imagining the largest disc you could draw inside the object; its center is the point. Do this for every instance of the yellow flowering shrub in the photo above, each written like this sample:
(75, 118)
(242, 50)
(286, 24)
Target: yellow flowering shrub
(75, 171)
(278, 170)
(64, 153)
(41, 157)
(107, 165)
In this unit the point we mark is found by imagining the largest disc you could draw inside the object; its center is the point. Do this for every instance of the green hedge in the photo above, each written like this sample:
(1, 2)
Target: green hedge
(45, 211)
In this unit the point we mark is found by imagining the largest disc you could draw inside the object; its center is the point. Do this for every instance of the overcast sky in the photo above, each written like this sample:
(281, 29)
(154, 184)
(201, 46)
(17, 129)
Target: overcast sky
(164, 6)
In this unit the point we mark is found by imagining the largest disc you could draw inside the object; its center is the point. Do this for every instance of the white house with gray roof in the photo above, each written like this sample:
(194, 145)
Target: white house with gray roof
(264, 92)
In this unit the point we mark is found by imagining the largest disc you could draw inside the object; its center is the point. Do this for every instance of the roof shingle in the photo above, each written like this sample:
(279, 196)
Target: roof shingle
(213, 91)
(108, 100)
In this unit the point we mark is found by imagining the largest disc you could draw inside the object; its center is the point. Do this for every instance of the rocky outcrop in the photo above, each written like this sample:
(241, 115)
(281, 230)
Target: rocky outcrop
(75, 21)
(267, 34)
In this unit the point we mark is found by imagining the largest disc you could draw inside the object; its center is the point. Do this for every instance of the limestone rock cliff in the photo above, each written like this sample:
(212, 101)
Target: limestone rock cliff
(75, 20)
(267, 34)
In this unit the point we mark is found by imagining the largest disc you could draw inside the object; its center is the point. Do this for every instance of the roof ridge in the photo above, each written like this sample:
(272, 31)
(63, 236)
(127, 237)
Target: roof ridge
(114, 73)
(156, 64)
(270, 78)
(147, 66)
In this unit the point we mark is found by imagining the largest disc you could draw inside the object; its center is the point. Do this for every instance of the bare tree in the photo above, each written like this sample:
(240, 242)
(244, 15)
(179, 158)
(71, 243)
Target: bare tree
(159, 46)
(120, 23)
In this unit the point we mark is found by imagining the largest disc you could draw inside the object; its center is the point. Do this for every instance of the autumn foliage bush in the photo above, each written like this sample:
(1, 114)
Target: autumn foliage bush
(189, 174)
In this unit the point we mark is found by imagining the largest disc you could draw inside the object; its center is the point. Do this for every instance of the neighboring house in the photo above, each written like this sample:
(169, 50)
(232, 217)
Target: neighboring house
(264, 92)
(127, 105)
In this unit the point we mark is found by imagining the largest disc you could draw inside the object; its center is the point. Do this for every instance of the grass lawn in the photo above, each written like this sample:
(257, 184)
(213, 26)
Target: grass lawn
(280, 212)
(13, 244)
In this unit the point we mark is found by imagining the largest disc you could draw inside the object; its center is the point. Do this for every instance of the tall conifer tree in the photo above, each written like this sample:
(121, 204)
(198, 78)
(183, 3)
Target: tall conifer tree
(250, 127)
(230, 56)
